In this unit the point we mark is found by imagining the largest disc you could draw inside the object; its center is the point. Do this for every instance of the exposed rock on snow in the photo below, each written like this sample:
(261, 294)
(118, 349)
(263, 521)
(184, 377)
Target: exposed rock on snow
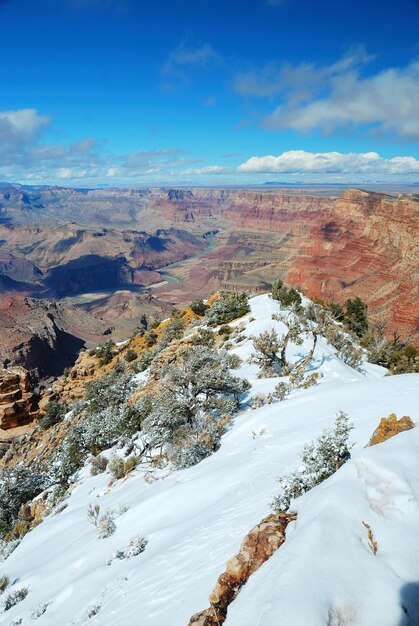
(390, 426)
(258, 546)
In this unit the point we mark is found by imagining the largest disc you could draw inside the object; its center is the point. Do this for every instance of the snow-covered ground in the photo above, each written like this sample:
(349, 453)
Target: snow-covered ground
(195, 519)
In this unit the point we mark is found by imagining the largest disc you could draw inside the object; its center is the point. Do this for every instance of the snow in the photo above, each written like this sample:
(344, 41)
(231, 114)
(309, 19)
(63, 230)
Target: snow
(195, 519)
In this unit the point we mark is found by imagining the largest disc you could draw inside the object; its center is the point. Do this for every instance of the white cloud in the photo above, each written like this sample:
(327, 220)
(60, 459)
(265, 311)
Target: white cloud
(21, 125)
(302, 162)
(208, 169)
(189, 54)
(25, 157)
(296, 82)
(387, 102)
(338, 96)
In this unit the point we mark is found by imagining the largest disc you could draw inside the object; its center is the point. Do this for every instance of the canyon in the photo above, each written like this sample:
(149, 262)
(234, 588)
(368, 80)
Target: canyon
(113, 254)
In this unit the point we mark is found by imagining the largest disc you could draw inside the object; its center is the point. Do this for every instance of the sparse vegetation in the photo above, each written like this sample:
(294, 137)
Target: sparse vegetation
(198, 307)
(287, 296)
(15, 597)
(319, 460)
(227, 308)
(54, 413)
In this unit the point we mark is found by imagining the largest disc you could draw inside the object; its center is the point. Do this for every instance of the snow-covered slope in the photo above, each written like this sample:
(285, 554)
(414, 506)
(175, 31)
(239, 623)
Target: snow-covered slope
(195, 519)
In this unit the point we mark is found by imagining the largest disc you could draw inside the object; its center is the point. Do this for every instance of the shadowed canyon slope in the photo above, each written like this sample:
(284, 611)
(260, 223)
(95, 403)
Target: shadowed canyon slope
(360, 243)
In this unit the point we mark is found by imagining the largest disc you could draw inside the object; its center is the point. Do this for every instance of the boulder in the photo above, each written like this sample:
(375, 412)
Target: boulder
(388, 427)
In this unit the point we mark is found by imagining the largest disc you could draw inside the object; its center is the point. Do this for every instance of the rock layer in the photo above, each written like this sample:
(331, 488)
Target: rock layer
(18, 402)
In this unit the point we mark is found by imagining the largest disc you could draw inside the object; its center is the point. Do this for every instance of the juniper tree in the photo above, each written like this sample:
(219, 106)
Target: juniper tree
(199, 383)
(319, 460)
(271, 349)
(229, 307)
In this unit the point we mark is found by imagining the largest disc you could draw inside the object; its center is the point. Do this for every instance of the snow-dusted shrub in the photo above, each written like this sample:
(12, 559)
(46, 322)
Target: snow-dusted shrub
(198, 306)
(346, 350)
(174, 330)
(40, 610)
(192, 445)
(119, 468)
(98, 465)
(319, 460)
(204, 337)
(4, 583)
(287, 296)
(267, 347)
(259, 400)
(108, 391)
(15, 597)
(106, 525)
(70, 455)
(7, 547)
(271, 349)
(297, 380)
(199, 384)
(18, 485)
(93, 610)
(229, 307)
(54, 413)
(135, 547)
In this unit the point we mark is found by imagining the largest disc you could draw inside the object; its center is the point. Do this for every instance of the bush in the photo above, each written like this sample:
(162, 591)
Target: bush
(135, 547)
(203, 337)
(287, 296)
(229, 307)
(15, 597)
(4, 583)
(297, 380)
(199, 385)
(225, 330)
(198, 307)
(98, 465)
(119, 468)
(106, 525)
(18, 485)
(319, 460)
(130, 355)
(54, 413)
(356, 316)
(105, 353)
(174, 330)
(150, 337)
(337, 311)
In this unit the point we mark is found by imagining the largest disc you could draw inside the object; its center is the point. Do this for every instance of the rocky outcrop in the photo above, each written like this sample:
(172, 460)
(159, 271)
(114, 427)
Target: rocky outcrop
(258, 546)
(44, 337)
(389, 427)
(18, 402)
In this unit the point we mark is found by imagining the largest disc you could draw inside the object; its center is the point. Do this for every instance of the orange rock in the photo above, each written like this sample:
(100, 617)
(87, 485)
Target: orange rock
(258, 546)
(390, 426)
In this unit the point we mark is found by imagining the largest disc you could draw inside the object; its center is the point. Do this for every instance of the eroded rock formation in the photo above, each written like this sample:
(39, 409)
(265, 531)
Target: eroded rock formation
(18, 402)
(258, 546)
(389, 427)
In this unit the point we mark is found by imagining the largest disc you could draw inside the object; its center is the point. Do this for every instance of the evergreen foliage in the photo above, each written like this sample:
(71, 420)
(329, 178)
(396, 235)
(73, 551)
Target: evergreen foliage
(54, 413)
(229, 307)
(287, 296)
(198, 307)
(319, 460)
(18, 485)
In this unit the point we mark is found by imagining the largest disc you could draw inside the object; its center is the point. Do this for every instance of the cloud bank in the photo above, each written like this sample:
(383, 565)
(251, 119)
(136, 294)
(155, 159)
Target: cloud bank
(338, 96)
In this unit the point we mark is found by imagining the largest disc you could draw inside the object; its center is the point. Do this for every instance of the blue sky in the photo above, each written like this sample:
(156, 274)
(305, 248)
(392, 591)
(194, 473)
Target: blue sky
(132, 92)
